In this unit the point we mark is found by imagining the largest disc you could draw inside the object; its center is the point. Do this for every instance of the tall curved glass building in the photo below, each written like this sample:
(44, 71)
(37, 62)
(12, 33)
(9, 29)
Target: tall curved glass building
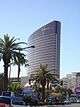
(47, 48)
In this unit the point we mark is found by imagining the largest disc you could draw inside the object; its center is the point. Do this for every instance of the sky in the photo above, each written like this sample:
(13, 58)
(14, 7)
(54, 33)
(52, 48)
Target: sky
(20, 18)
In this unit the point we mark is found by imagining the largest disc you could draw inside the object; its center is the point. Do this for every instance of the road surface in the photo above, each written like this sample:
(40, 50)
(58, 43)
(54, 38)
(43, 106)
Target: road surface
(71, 105)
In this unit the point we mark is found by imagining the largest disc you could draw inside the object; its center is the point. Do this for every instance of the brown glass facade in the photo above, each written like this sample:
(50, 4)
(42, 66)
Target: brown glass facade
(47, 48)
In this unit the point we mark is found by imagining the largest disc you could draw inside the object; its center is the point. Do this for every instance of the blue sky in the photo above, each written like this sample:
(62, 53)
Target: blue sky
(22, 17)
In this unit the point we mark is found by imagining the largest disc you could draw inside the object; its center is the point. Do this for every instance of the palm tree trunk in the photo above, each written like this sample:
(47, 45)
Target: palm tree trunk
(5, 83)
(43, 83)
(43, 93)
(18, 71)
(47, 84)
(9, 74)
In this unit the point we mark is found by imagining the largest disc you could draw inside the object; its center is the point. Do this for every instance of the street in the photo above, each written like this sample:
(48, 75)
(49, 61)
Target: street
(71, 105)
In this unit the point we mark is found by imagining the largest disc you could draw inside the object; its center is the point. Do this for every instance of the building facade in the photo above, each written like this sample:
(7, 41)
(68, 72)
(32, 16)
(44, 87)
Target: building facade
(47, 48)
(72, 81)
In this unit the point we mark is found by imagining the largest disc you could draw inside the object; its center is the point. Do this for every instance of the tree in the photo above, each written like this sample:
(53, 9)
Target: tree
(69, 92)
(20, 60)
(1, 81)
(9, 50)
(14, 87)
(43, 77)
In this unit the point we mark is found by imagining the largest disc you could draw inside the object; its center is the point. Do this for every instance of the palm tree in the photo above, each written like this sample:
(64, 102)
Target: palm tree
(43, 77)
(9, 50)
(20, 60)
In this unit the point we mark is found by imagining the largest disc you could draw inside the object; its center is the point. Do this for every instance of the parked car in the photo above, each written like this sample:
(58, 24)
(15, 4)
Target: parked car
(18, 101)
(67, 101)
(5, 101)
(51, 100)
(78, 101)
(73, 100)
(6, 93)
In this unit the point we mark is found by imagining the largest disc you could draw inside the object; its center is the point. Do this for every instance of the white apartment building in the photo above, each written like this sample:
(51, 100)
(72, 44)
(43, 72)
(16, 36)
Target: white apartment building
(72, 81)
(78, 80)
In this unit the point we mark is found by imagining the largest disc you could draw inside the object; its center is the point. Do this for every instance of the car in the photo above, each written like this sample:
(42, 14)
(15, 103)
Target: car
(5, 101)
(51, 100)
(6, 93)
(18, 101)
(73, 100)
(67, 101)
(78, 101)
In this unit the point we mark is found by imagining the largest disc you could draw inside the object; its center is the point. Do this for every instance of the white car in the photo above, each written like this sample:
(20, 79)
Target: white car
(67, 101)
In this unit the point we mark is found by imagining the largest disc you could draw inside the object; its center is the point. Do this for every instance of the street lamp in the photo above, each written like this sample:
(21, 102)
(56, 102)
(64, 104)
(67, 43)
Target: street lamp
(28, 47)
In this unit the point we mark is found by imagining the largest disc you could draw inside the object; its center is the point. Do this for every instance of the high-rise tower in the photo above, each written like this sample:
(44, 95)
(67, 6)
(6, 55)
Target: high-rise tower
(47, 48)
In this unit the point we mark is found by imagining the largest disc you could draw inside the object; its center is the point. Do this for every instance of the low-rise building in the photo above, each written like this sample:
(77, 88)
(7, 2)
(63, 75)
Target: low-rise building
(72, 81)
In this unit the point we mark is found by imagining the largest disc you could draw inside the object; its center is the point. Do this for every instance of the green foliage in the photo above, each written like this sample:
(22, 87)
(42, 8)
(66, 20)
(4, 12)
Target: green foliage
(14, 87)
(63, 92)
(42, 77)
(10, 51)
(69, 91)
